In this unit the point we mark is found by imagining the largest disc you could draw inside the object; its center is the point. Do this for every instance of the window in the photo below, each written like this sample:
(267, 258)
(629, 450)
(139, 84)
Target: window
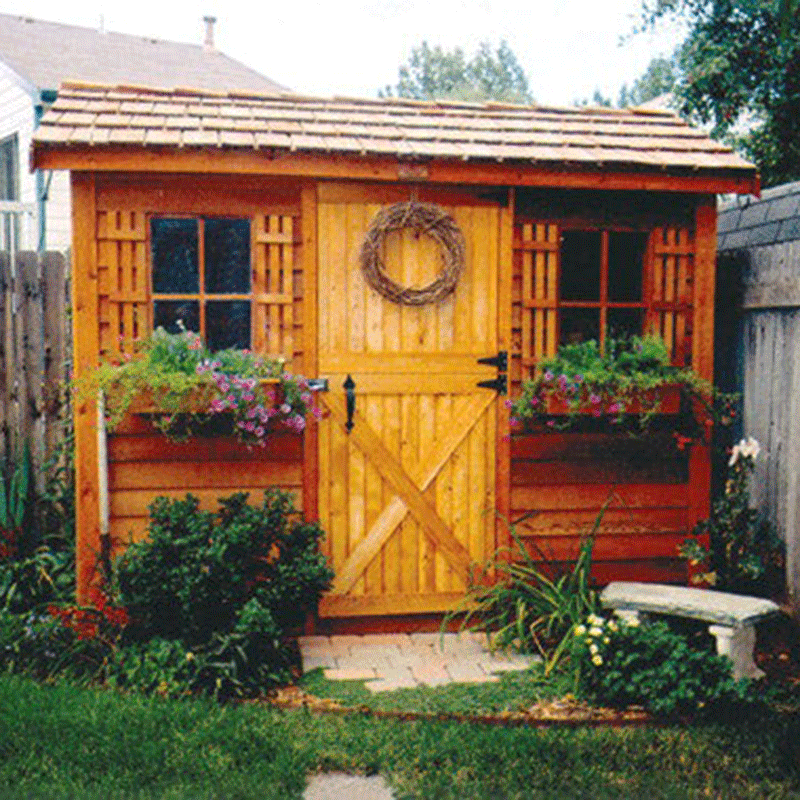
(201, 278)
(9, 160)
(601, 285)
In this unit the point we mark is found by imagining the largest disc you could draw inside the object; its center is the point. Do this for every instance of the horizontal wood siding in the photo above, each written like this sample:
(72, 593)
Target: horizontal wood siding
(116, 309)
(560, 481)
(144, 465)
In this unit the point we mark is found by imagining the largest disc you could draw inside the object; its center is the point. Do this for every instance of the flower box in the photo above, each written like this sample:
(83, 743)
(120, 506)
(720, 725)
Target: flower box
(195, 401)
(664, 399)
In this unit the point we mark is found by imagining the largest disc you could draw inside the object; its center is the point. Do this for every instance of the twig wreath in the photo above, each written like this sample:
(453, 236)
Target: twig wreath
(423, 218)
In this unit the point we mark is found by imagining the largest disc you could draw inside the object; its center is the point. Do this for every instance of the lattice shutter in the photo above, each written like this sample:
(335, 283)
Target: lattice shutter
(122, 271)
(672, 290)
(536, 249)
(274, 285)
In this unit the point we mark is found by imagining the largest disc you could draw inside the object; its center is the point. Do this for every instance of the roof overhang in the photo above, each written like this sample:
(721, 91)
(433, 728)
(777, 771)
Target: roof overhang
(131, 158)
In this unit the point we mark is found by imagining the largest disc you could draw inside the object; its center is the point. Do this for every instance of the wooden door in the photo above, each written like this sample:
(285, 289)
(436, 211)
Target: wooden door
(407, 497)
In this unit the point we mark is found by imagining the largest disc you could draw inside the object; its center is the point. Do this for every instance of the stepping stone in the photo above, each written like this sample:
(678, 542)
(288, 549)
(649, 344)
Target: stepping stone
(340, 786)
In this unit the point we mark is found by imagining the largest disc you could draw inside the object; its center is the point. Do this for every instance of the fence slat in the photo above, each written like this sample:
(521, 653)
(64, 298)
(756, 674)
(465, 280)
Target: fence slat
(34, 355)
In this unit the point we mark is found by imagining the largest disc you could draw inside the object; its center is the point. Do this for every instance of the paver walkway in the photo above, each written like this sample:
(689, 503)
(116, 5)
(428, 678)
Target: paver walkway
(402, 661)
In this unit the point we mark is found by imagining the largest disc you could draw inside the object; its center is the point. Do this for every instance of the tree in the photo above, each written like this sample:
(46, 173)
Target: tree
(741, 62)
(658, 79)
(432, 73)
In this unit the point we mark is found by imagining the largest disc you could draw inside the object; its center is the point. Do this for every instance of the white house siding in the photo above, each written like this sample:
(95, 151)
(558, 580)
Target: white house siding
(58, 212)
(16, 116)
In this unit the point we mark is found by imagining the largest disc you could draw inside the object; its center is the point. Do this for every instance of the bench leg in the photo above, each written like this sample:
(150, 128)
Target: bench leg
(737, 644)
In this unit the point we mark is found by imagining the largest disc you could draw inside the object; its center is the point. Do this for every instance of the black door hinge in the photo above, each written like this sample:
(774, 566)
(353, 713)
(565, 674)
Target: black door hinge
(499, 384)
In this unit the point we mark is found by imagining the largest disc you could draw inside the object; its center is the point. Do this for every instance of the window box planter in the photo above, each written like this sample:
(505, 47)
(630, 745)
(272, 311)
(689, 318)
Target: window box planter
(196, 401)
(664, 399)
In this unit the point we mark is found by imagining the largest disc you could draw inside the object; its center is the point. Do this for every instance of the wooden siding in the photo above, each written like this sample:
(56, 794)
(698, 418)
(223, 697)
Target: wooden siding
(143, 465)
(560, 481)
(114, 308)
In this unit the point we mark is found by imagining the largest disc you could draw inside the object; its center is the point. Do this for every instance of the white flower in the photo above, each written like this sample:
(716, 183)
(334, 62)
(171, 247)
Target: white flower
(612, 626)
(580, 630)
(593, 619)
(597, 660)
(594, 649)
(595, 631)
(747, 448)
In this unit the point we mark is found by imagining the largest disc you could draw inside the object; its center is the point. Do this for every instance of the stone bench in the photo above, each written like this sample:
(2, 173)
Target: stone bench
(732, 617)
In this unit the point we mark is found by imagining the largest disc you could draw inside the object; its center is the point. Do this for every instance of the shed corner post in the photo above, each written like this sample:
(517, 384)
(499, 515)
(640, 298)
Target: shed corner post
(504, 341)
(705, 262)
(86, 346)
(308, 225)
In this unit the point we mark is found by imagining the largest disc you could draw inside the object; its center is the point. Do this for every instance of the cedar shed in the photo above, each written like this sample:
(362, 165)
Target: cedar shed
(424, 482)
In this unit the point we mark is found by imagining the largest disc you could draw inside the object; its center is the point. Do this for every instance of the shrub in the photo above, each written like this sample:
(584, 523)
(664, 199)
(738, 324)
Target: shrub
(227, 586)
(620, 664)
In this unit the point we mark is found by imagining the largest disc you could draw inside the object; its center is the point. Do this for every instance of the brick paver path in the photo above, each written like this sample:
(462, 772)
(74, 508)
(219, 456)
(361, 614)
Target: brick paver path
(401, 661)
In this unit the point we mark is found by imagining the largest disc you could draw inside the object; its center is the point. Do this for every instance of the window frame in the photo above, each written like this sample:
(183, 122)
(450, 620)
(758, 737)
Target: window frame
(603, 304)
(202, 297)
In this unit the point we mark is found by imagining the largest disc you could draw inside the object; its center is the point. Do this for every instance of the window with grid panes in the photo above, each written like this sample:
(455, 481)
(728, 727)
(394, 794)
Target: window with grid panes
(201, 278)
(601, 285)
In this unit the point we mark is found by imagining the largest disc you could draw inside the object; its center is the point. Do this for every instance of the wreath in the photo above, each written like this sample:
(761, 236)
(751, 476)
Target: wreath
(422, 218)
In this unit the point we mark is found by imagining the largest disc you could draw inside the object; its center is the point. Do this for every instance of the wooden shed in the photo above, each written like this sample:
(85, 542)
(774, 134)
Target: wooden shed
(428, 477)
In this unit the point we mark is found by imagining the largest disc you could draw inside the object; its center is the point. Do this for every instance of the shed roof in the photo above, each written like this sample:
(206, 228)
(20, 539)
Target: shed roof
(105, 116)
(48, 53)
(759, 222)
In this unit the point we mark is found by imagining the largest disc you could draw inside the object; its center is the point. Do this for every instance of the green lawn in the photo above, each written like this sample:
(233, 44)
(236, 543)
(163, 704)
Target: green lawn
(61, 742)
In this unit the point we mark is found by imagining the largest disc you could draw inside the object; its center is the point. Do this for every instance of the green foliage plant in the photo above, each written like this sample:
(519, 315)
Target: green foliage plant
(15, 502)
(520, 606)
(621, 663)
(736, 549)
(629, 374)
(37, 565)
(433, 73)
(228, 585)
(739, 70)
(196, 392)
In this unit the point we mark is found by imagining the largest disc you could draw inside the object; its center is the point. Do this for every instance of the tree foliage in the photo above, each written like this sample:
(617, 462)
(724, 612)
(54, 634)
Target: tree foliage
(433, 73)
(741, 62)
(658, 79)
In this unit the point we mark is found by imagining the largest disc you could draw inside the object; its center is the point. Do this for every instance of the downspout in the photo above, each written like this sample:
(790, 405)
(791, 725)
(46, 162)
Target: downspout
(46, 98)
(102, 486)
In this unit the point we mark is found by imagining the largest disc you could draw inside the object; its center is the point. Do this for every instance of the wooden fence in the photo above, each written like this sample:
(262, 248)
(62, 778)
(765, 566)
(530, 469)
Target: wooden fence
(35, 355)
(765, 352)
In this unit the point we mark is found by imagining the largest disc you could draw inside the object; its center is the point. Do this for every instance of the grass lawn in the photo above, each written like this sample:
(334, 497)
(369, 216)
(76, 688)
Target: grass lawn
(62, 742)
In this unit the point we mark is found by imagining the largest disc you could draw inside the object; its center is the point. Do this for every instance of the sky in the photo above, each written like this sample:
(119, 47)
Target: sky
(568, 48)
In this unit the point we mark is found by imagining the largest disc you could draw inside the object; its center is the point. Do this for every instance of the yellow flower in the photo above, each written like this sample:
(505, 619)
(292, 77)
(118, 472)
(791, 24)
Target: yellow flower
(580, 630)
(597, 660)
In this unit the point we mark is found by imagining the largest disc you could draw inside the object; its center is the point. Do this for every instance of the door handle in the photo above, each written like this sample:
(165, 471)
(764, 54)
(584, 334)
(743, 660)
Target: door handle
(350, 401)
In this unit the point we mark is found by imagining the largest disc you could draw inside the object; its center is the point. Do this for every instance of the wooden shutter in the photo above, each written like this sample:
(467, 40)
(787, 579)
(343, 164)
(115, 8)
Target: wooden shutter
(536, 249)
(671, 290)
(123, 278)
(274, 285)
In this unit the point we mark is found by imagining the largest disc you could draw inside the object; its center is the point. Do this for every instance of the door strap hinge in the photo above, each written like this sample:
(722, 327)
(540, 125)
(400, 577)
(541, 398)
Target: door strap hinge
(500, 361)
(498, 384)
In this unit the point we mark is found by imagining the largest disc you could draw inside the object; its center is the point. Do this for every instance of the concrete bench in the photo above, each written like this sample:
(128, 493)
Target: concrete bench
(732, 617)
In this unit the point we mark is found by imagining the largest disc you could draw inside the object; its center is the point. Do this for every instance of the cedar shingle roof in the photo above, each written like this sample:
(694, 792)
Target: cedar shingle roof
(657, 141)
(48, 53)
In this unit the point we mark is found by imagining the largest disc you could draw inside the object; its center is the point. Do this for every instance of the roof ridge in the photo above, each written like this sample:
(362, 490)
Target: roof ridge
(143, 36)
